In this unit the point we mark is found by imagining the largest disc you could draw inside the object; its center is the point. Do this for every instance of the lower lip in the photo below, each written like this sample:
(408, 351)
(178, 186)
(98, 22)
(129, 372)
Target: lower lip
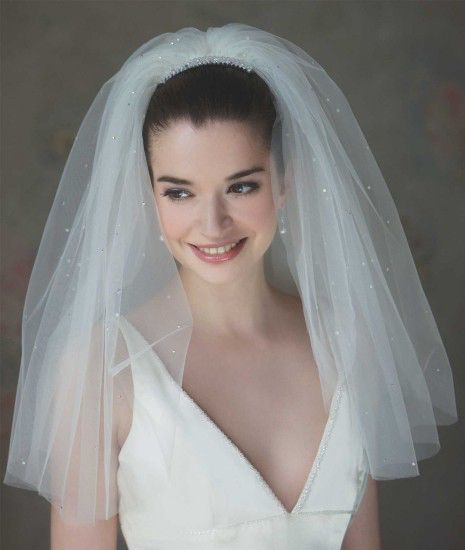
(218, 258)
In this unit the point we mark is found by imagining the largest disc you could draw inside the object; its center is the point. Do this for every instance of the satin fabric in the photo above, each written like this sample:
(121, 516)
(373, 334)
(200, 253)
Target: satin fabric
(215, 498)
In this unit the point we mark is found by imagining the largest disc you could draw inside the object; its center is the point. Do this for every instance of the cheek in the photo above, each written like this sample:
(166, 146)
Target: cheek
(261, 213)
(174, 219)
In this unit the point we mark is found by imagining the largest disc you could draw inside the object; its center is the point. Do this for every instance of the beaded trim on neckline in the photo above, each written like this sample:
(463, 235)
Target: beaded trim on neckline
(334, 407)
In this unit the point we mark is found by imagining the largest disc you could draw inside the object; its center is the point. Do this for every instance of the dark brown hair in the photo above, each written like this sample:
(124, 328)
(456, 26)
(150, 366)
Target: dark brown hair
(210, 92)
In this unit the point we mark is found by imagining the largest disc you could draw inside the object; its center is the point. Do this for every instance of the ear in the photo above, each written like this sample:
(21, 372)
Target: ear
(279, 181)
(281, 200)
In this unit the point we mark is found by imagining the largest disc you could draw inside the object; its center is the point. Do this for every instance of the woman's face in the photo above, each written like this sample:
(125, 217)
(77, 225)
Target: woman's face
(219, 205)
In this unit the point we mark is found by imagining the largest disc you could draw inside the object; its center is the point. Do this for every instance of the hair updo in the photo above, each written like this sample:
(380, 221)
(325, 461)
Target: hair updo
(206, 93)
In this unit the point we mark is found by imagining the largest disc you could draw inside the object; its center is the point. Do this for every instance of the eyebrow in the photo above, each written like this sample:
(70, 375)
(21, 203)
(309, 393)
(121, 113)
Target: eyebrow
(237, 175)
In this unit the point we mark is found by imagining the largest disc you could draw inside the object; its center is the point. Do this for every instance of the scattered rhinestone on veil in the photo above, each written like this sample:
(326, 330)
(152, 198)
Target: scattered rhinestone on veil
(206, 59)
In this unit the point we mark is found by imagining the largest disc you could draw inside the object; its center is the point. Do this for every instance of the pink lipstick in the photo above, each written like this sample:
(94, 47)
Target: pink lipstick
(218, 258)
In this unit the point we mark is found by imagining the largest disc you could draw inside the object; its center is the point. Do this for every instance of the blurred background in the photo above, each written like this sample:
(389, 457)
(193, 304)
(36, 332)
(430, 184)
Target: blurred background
(401, 66)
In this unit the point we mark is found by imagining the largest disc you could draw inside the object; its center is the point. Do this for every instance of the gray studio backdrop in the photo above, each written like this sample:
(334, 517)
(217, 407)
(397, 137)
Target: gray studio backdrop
(401, 66)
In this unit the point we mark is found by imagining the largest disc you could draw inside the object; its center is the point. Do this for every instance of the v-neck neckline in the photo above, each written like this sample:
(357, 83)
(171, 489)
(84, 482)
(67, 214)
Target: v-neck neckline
(334, 406)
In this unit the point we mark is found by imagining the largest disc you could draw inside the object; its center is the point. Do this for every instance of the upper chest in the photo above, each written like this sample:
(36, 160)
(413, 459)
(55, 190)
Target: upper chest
(267, 400)
(205, 470)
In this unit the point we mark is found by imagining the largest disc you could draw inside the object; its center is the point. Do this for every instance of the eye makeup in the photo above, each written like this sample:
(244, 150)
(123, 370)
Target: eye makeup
(172, 193)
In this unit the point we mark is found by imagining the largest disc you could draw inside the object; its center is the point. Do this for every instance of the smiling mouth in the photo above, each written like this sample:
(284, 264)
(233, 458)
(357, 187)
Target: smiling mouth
(218, 255)
(213, 250)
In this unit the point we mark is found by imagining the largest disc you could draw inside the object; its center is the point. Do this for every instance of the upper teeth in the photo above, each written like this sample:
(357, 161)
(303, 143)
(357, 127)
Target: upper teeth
(220, 250)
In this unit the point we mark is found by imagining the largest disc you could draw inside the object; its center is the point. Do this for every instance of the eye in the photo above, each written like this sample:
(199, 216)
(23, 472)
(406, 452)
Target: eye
(172, 194)
(254, 186)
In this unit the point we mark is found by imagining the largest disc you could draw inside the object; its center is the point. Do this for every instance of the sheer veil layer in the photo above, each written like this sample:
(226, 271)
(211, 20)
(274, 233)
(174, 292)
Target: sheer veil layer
(102, 256)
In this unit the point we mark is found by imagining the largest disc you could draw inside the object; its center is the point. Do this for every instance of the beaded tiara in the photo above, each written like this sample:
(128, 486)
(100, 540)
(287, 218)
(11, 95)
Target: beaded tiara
(207, 59)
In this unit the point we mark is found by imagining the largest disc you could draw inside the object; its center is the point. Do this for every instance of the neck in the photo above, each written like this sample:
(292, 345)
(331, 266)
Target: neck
(236, 308)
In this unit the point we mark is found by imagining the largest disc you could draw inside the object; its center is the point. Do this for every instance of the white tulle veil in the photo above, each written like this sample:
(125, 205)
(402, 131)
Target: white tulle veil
(343, 250)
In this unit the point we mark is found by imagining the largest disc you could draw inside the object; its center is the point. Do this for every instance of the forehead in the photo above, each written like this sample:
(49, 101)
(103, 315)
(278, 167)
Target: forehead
(220, 146)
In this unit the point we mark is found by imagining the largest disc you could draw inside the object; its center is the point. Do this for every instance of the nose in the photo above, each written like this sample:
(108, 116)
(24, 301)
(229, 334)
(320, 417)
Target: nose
(215, 217)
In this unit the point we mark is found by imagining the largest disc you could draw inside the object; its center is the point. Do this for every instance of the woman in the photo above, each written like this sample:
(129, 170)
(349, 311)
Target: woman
(246, 397)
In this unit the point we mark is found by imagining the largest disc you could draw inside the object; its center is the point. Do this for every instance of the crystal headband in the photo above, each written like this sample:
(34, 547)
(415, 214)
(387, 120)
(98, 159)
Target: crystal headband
(206, 59)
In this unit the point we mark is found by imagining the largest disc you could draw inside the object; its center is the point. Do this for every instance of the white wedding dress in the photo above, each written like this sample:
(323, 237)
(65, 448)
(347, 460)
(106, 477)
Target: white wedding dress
(217, 499)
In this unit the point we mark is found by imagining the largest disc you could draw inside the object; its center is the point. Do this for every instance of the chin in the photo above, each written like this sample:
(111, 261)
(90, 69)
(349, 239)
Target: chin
(216, 274)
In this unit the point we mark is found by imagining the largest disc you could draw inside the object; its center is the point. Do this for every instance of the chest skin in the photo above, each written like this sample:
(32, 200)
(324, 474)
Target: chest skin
(265, 396)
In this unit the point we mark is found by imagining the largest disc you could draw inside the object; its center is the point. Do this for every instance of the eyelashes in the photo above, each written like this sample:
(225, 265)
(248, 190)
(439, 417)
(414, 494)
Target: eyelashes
(173, 194)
